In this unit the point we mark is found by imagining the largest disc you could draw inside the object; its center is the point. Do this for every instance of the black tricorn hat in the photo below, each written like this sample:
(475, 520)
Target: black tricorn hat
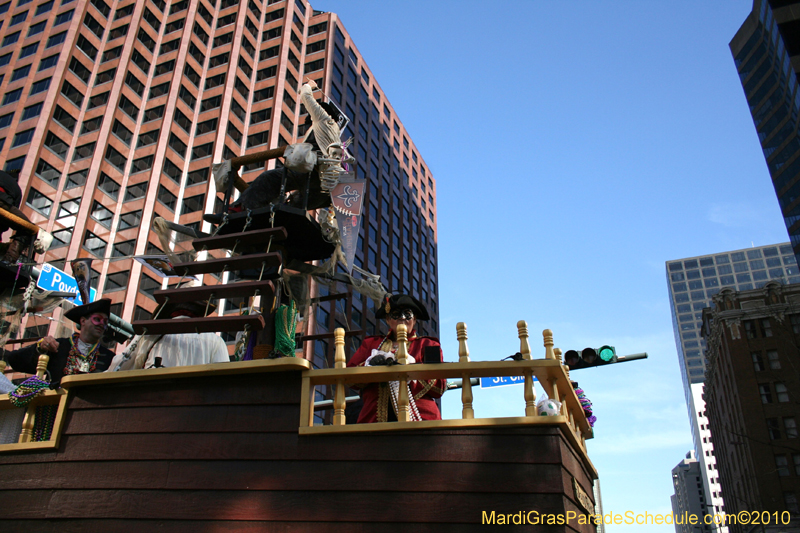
(197, 309)
(402, 301)
(102, 305)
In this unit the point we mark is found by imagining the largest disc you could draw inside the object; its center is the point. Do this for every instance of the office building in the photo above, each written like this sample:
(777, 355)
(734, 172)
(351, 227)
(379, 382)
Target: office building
(689, 496)
(694, 281)
(692, 284)
(766, 51)
(751, 393)
(115, 110)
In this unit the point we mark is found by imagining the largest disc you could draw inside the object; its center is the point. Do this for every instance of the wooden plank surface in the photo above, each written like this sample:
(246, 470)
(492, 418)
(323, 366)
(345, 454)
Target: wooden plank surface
(285, 367)
(242, 389)
(247, 238)
(185, 419)
(440, 446)
(301, 506)
(228, 290)
(228, 264)
(219, 526)
(206, 324)
(329, 475)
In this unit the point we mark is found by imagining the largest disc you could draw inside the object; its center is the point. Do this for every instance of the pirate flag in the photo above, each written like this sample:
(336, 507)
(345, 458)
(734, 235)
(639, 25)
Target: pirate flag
(348, 198)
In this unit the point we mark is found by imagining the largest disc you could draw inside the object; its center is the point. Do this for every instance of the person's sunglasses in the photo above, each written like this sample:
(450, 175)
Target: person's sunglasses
(405, 314)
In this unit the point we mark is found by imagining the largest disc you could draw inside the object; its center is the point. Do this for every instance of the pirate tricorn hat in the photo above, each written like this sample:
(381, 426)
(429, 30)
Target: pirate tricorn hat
(193, 309)
(402, 301)
(102, 305)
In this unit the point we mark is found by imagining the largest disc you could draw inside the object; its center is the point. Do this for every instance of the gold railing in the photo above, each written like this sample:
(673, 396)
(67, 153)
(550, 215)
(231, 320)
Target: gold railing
(26, 440)
(552, 375)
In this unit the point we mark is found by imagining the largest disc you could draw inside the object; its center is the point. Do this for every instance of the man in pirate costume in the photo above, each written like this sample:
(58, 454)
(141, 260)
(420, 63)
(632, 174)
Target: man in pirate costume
(79, 354)
(380, 399)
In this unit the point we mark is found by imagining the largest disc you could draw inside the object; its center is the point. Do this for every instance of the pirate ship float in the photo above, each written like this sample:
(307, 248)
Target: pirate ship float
(233, 446)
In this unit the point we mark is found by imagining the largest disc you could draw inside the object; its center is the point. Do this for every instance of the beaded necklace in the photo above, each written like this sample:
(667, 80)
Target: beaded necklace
(387, 345)
(77, 363)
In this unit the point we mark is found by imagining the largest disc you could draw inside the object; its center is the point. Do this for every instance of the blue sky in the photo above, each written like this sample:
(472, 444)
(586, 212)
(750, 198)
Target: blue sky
(576, 147)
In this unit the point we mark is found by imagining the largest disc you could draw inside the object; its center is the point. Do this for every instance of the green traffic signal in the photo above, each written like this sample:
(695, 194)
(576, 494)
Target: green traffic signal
(590, 357)
(607, 353)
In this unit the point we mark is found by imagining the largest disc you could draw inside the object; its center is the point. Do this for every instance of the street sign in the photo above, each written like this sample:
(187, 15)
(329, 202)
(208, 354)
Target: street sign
(502, 381)
(53, 279)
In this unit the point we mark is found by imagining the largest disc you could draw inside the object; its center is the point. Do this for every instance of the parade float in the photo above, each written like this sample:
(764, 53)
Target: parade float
(234, 446)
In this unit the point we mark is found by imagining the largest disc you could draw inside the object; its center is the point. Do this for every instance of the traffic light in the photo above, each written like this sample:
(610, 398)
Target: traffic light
(588, 357)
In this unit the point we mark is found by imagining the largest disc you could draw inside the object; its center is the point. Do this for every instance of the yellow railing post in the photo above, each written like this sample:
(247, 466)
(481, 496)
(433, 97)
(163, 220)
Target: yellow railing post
(467, 412)
(30, 414)
(339, 362)
(548, 344)
(402, 358)
(525, 350)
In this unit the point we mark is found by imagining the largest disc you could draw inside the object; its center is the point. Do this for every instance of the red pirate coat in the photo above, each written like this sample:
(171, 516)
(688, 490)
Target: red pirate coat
(376, 396)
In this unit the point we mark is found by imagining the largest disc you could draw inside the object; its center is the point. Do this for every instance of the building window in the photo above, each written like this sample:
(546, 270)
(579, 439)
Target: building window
(48, 62)
(147, 138)
(39, 202)
(193, 204)
(64, 118)
(56, 145)
(148, 285)
(108, 185)
(129, 220)
(782, 465)
(204, 150)
(76, 179)
(790, 426)
(39, 86)
(197, 176)
(101, 214)
(23, 137)
(20, 73)
(758, 364)
(135, 191)
(115, 158)
(124, 249)
(766, 327)
(773, 429)
(766, 394)
(774, 362)
(782, 392)
(57, 39)
(94, 244)
(31, 111)
(750, 329)
(116, 281)
(167, 198)
(12, 96)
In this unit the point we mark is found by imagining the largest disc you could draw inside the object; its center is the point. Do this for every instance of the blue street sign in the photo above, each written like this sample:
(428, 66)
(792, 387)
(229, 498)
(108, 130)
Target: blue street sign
(53, 279)
(503, 381)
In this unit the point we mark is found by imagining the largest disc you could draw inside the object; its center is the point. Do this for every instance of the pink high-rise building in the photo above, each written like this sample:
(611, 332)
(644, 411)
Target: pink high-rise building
(115, 111)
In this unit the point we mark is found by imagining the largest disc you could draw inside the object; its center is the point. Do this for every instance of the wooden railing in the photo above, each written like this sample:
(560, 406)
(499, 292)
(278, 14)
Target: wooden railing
(552, 375)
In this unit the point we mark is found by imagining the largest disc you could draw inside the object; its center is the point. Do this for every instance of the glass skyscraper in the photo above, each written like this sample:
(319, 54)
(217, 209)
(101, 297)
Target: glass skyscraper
(693, 281)
(763, 49)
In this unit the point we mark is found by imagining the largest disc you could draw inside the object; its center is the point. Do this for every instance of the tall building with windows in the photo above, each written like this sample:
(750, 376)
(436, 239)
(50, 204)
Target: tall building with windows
(692, 283)
(689, 495)
(766, 51)
(114, 110)
(751, 392)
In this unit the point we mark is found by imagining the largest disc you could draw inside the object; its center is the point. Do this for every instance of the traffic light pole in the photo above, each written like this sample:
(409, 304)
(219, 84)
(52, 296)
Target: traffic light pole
(632, 357)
